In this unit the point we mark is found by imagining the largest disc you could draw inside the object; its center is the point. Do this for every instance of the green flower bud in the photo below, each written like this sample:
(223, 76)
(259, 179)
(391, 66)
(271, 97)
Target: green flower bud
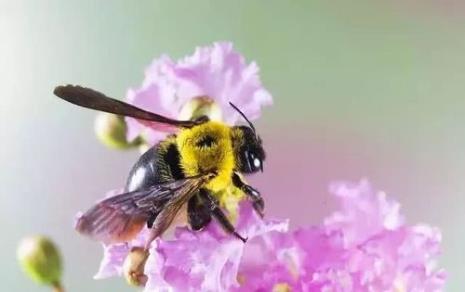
(200, 106)
(40, 260)
(133, 266)
(111, 131)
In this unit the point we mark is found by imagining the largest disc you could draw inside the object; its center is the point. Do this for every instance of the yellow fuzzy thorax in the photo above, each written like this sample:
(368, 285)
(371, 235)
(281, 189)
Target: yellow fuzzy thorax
(218, 157)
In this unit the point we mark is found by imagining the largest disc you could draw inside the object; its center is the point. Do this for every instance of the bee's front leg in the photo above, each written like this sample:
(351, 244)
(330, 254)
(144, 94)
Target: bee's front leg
(216, 211)
(257, 200)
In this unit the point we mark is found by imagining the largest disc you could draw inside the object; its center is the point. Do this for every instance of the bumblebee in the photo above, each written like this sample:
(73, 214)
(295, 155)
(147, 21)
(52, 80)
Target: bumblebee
(190, 167)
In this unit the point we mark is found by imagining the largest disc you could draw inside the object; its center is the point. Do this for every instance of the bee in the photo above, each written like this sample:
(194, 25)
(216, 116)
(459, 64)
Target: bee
(190, 167)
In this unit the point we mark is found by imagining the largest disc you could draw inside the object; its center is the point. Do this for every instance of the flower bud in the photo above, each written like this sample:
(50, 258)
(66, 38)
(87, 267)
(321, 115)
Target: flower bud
(200, 106)
(111, 131)
(40, 260)
(133, 266)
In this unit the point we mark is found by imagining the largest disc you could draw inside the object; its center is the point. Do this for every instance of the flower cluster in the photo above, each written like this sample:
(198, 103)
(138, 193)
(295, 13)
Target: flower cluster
(364, 246)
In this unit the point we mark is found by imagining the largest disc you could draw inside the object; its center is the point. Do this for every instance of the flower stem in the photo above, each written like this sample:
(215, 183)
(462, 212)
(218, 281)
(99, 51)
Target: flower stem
(57, 287)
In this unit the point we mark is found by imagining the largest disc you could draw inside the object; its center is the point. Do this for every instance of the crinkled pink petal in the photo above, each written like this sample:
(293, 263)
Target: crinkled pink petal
(363, 213)
(112, 262)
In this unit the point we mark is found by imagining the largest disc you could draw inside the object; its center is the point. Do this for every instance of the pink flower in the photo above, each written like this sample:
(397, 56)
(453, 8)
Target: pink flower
(365, 246)
(207, 260)
(215, 71)
(383, 252)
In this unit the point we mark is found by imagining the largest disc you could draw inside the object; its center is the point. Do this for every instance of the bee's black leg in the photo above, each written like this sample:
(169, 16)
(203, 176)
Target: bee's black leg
(151, 220)
(257, 200)
(216, 211)
(198, 214)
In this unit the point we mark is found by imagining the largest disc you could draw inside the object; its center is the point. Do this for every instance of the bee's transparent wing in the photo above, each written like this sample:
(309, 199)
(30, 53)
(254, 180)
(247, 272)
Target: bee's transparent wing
(120, 218)
(93, 99)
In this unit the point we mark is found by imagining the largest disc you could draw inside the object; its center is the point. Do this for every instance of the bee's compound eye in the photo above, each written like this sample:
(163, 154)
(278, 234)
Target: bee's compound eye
(252, 162)
(257, 162)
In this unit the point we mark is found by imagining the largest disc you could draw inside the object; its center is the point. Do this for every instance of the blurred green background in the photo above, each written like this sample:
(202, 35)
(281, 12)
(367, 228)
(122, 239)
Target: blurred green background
(362, 89)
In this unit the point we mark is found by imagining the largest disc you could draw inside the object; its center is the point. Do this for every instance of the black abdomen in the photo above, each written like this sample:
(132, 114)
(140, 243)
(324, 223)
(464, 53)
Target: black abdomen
(157, 165)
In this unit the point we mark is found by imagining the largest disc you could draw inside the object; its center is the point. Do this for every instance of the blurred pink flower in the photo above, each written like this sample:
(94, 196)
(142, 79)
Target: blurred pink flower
(216, 71)
(365, 246)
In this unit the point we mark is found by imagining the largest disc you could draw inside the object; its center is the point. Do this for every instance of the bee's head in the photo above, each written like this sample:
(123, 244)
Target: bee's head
(251, 154)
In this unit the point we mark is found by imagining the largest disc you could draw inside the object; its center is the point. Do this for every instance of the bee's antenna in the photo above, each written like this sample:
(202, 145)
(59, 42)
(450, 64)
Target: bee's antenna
(242, 114)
